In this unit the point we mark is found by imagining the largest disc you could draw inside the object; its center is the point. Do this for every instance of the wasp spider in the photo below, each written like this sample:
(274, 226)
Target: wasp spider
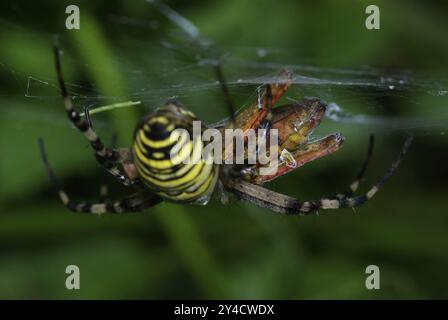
(147, 168)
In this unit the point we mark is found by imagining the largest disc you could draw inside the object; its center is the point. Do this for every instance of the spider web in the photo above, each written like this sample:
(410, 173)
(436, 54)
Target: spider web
(179, 64)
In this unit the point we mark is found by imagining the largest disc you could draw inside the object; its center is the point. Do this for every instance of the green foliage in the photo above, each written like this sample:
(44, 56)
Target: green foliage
(216, 251)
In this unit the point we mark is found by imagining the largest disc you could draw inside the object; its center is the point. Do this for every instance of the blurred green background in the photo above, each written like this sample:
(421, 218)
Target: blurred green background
(127, 50)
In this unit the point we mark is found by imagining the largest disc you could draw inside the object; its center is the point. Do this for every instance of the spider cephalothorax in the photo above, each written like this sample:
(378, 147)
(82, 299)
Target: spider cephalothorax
(155, 166)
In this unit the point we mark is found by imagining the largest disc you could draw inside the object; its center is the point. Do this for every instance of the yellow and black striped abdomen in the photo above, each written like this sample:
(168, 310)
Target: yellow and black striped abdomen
(169, 161)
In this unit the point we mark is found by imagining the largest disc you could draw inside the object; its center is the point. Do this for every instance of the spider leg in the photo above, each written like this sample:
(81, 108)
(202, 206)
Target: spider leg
(266, 123)
(104, 190)
(134, 203)
(88, 117)
(281, 203)
(355, 184)
(108, 158)
(225, 90)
